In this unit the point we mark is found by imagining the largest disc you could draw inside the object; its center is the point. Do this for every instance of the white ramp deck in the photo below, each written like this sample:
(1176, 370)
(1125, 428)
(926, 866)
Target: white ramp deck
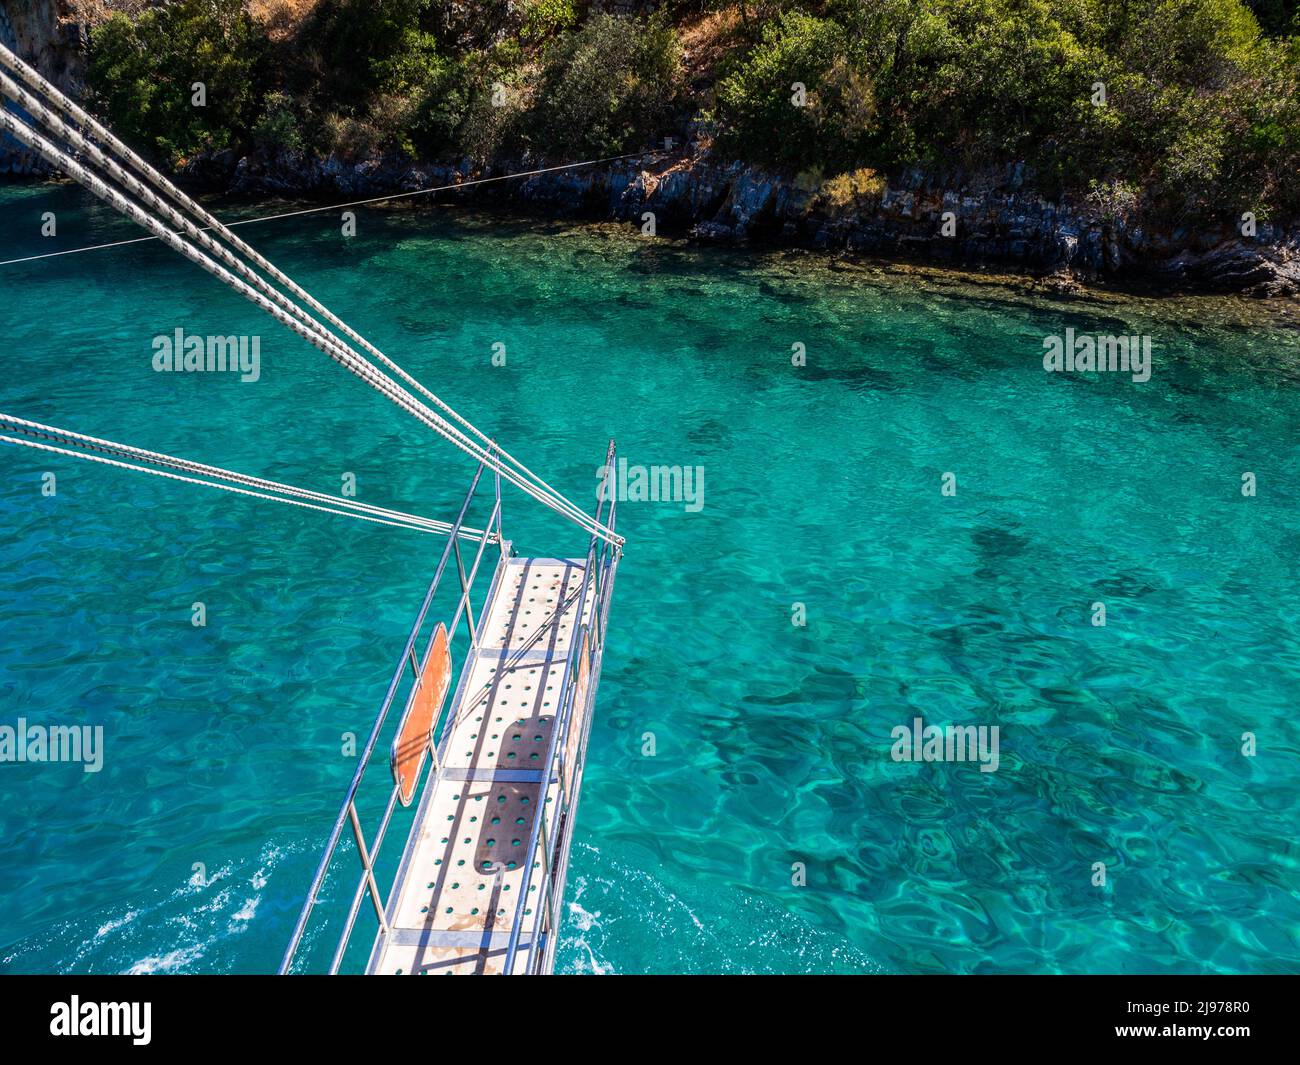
(495, 774)
(457, 891)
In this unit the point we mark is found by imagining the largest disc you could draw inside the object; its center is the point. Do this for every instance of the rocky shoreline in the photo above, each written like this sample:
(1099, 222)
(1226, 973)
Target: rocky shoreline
(992, 223)
(1066, 246)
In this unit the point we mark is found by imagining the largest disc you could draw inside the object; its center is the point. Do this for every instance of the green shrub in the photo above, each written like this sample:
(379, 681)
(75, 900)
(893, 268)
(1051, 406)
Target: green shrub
(277, 130)
(498, 92)
(544, 18)
(348, 46)
(992, 82)
(607, 87)
(756, 110)
(1205, 114)
(141, 76)
(452, 107)
(1200, 111)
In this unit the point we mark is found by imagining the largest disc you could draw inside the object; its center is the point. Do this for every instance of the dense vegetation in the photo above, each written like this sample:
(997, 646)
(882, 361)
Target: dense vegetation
(1184, 108)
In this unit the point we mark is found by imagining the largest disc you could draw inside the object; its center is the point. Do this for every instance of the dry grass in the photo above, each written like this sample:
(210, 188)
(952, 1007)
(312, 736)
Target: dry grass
(705, 38)
(281, 18)
(93, 12)
(856, 188)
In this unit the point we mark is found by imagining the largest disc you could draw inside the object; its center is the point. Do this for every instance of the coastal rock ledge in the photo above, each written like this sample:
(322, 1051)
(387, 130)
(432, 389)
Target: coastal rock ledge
(985, 222)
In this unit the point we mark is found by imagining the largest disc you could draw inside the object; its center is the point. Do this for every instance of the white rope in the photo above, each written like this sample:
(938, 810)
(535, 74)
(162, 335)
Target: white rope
(56, 435)
(315, 336)
(535, 486)
(540, 490)
(211, 484)
(54, 124)
(325, 335)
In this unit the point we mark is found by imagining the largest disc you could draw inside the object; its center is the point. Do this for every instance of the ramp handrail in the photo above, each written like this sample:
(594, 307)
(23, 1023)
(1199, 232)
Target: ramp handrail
(584, 661)
(348, 811)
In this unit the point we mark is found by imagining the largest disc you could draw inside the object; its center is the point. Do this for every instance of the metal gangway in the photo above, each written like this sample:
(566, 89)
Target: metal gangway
(478, 886)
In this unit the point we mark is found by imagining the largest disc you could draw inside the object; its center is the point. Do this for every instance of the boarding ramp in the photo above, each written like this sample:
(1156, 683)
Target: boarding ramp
(494, 775)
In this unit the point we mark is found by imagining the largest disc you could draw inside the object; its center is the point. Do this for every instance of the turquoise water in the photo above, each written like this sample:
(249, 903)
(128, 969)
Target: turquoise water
(1119, 744)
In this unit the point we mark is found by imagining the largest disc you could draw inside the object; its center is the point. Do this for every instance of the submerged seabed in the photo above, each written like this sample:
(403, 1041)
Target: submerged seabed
(224, 745)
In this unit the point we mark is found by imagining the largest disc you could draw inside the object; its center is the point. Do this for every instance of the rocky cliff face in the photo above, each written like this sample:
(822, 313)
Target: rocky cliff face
(52, 36)
(916, 216)
(912, 216)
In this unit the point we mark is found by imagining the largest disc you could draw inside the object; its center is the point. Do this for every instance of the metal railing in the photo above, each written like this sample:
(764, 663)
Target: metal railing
(548, 843)
(348, 814)
(548, 847)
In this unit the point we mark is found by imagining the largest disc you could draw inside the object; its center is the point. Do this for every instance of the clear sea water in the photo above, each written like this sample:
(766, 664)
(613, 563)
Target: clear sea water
(1119, 744)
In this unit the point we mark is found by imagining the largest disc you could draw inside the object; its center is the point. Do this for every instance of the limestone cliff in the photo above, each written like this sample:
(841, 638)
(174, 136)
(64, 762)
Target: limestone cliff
(52, 36)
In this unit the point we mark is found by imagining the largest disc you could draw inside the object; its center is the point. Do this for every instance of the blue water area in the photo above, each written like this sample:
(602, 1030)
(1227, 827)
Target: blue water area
(742, 811)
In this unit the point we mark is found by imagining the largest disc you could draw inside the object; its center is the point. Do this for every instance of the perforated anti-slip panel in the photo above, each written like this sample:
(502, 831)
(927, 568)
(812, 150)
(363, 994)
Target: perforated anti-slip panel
(463, 880)
(537, 590)
(505, 719)
(458, 892)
